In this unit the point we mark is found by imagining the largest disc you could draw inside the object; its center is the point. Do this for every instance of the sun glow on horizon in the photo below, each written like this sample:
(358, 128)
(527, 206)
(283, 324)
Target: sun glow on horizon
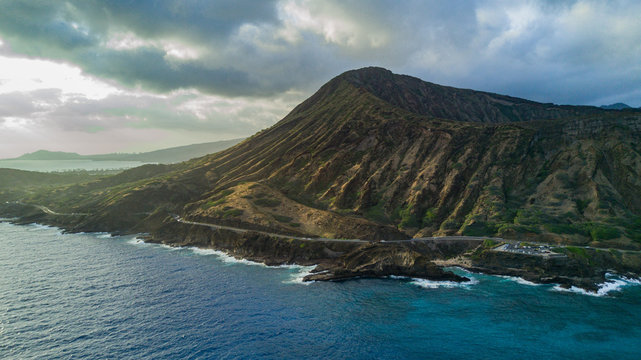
(26, 75)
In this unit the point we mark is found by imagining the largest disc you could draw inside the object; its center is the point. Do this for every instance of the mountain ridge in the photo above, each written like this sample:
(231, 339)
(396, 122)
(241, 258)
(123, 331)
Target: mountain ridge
(425, 98)
(163, 156)
(366, 156)
(348, 164)
(616, 106)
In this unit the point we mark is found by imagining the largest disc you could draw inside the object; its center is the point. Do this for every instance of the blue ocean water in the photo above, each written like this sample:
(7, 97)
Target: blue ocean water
(91, 296)
(68, 165)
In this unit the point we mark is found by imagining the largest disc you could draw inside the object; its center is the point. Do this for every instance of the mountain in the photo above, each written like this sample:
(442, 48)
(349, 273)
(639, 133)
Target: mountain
(163, 156)
(616, 106)
(49, 155)
(373, 154)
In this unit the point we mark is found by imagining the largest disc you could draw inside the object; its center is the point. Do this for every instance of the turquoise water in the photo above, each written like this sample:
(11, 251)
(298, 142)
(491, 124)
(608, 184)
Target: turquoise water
(77, 296)
(67, 165)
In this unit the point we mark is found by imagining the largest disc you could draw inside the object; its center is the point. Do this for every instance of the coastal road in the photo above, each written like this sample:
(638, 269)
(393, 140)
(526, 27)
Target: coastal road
(281, 236)
(46, 210)
(421, 239)
(320, 239)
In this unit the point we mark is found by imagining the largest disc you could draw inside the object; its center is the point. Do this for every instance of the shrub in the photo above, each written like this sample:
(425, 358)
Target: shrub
(267, 202)
(218, 199)
(562, 228)
(578, 251)
(376, 213)
(213, 203)
(581, 205)
(281, 218)
(429, 217)
(450, 225)
(522, 229)
(479, 228)
(603, 232)
(528, 217)
(408, 218)
(229, 213)
(489, 243)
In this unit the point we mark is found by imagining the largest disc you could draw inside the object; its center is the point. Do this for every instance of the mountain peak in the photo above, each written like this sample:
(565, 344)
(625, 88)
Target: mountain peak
(616, 106)
(445, 102)
(367, 74)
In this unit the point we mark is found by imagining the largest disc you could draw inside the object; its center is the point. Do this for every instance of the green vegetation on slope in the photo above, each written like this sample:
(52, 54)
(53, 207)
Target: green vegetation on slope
(415, 156)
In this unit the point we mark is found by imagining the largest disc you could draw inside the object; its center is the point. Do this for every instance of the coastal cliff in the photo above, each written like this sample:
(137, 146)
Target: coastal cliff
(377, 156)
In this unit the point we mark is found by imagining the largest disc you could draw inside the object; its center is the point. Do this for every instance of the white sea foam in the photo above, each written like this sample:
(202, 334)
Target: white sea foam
(431, 284)
(519, 280)
(613, 283)
(224, 257)
(298, 276)
(41, 226)
(103, 235)
(204, 252)
(295, 278)
(632, 281)
(137, 241)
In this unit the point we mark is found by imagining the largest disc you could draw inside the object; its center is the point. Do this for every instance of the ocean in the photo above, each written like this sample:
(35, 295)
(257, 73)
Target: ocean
(93, 296)
(67, 165)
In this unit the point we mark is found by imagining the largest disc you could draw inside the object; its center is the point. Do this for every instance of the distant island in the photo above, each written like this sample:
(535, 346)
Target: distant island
(616, 106)
(380, 174)
(163, 156)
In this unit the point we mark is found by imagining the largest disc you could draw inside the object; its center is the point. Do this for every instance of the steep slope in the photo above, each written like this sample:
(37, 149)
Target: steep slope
(421, 97)
(378, 155)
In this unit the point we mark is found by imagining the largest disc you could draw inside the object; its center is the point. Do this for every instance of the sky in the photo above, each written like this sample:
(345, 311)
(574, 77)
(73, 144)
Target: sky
(92, 76)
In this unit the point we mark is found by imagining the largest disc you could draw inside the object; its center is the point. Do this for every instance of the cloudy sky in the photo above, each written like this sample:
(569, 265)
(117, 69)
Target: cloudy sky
(94, 76)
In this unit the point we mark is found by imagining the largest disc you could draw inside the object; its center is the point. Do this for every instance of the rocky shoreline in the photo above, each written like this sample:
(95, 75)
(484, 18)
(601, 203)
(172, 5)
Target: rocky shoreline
(339, 261)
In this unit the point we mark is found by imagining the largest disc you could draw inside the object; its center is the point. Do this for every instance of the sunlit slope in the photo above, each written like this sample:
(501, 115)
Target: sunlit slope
(373, 154)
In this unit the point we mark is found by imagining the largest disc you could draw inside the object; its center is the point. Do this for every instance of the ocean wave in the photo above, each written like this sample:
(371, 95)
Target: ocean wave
(169, 247)
(224, 257)
(298, 276)
(519, 280)
(614, 283)
(137, 241)
(631, 281)
(432, 284)
(41, 226)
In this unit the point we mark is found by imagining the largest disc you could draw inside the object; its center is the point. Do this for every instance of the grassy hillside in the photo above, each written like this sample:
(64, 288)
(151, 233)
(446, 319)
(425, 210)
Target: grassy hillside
(378, 155)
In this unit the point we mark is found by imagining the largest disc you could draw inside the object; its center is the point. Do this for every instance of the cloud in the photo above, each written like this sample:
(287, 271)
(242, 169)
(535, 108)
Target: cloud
(249, 48)
(232, 67)
(188, 111)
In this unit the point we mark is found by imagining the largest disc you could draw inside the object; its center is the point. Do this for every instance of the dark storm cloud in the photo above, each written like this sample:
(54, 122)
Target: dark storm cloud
(182, 71)
(548, 51)
(76, 32)
(203, 20)
(149, 68)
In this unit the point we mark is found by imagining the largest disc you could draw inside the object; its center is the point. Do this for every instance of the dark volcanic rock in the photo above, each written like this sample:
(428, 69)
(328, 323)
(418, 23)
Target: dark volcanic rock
(381, 260)
(374, 155)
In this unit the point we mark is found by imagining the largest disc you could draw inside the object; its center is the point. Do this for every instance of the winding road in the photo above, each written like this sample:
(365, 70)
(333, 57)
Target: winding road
(177, 218)
(281, 236)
